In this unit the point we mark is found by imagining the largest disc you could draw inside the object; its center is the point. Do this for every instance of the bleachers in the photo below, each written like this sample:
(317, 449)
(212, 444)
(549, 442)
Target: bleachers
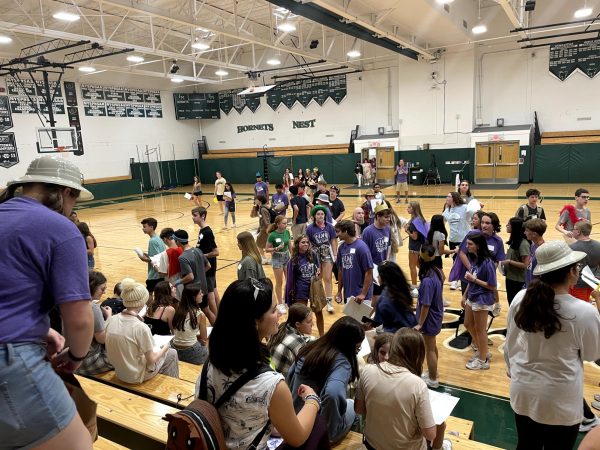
(105, 444)
(312, 150)
(571, 137)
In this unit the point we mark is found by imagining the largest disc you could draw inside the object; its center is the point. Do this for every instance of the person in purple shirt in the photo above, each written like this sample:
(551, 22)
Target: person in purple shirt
(479, 297)
(280, 200)
(44, 267)
(401, 179)
(355, 265)
(378, 239)
(534, 232)
(261, 189)
(430, 310)
(323, 239)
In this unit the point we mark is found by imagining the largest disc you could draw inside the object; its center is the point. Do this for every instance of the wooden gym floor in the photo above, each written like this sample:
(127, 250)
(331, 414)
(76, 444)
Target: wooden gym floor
(116, 225)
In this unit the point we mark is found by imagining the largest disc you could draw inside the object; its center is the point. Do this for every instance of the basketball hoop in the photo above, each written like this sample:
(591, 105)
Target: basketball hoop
(60, 149)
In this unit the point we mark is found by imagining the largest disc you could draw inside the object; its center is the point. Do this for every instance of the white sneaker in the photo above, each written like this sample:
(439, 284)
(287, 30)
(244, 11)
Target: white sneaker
(433, 384)
(330, 308)
(414, 293)
(476, 355)
(478, 364)
(587, 424)
(454, 285)
(497, 309)
(446, 303)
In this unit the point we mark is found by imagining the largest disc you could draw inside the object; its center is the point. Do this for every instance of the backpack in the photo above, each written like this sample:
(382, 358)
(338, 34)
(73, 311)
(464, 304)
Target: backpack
(524, 212)
(198, 426)
(272, 214)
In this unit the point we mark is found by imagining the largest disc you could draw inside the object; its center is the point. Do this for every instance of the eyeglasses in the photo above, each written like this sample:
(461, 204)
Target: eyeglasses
(585, 196)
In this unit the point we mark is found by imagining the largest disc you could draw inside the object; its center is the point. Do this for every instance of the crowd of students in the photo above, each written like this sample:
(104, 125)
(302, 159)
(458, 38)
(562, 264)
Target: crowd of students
(297, 386)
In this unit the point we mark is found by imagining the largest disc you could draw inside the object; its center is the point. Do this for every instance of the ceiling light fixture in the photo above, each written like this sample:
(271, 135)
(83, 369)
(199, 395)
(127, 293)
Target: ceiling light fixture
(135, 59)
(479, 29)
(583, 12)
(221, 73)
(200, 45)
(444, 2)
(177, 80)
(87, 69)
(353, 53)
(273, 61)
(66, 16)
(5, 40)
(286, 27)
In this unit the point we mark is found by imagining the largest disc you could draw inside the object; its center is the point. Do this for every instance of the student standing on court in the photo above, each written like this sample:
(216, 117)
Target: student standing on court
(250, 265)
(278, 245)
(261, 189)
(155, 246)
(261, 210)
(584, 243)
(549, 336)
(219, 190)
(300, 212)
(379, 196)
(534, 233)
(208, 244)
(378, 240)
(197, 191)
(517, 258)
(401, 179)
(40, 410)
(458, 215)
(358, 172)
(354, 264)
(338, 211)
(358, 217)
(571, 214)
(230, 205)
(369, 207)
(280, 201)
(417, 229)
(367, 169)
(531, 209)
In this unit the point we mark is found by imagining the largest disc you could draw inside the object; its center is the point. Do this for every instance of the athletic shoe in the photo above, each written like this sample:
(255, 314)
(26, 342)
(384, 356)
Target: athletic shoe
(414, 293)
(446, 303)
(447, 445)
(478, 364)
(587, 424)
(454, 285)
(330, 308)
(433, 384)
(596, 404)
(497, 309)
(476, 355)
(597, 397)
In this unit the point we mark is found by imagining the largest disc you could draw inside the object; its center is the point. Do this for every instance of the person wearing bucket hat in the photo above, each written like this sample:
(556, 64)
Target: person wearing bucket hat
(369, 206)
(261, 189)
(549, 335)
(324, 241)
(129, 343)
(323, 201)
(51, 268)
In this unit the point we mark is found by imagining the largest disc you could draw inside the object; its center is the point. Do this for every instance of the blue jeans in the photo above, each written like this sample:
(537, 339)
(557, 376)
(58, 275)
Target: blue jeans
(34, 403)
(196, 354)
(226, 214)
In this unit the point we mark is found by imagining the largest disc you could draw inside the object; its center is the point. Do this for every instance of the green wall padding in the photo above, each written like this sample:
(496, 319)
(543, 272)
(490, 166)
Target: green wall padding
(566, 163)
(114, 189)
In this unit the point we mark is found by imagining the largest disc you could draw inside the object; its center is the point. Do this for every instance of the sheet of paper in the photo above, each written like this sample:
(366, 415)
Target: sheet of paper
(365, 349)
(441, 405)
(142, 312)
(160, 341)
(187, 196)
(588, 276)
(138, 251)
(376, 274)
(357, 311)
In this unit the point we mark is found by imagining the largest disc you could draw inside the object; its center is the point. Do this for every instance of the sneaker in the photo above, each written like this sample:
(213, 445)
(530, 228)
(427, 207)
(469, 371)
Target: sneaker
(476, 355)
(447, 444)
(587, 424)
(597, 397)
(478, 364)
(596, 404)
(330, 308)
(497, 309)
(433, 384)
(446, 303)
(414, 293)
(454, 285)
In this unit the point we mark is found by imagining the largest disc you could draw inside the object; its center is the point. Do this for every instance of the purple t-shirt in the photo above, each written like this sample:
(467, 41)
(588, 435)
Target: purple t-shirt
(304, 271)
(261, 189)
(320, 236)
(485, 271)
(280, 198)
(430, 294)
(354, 260)
(378, 240)
(43, 262)
(401, 174)
(532, 264)
(494, 243)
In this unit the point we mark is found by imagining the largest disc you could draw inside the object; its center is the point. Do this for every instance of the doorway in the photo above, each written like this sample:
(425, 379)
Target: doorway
(385, 165)
(497, 162)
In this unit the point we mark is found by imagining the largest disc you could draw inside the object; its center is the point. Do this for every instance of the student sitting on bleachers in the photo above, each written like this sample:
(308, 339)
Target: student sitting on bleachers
(159, 316)
(115, 304)
(247, 316)
(328, 365)
(189, 327)
(96, 361)
(129, 343)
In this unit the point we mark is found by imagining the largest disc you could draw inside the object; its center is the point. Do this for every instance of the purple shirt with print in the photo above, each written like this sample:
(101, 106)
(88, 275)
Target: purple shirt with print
(430, 294)
(354, 260)
(261, 189)
(401, 174)
(484, 271)
(43, 262)
(531, 266)
(320, 236)
(304, 271)
(280, 198)
(378, 240)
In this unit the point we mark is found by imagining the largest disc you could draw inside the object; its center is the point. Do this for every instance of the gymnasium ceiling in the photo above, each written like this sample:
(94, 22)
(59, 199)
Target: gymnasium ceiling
(243, 35)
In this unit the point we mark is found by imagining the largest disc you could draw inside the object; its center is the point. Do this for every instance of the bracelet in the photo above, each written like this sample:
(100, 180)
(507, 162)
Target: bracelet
(314, 397)
(313, 402)
(74, 358)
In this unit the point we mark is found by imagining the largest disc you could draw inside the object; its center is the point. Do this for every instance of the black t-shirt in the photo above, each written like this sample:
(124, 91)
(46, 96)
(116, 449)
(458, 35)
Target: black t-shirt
(301, 203)
(207, 243)
(337, 207)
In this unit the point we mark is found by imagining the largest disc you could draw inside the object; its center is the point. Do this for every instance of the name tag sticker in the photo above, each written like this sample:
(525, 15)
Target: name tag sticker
(277, 239)
(386, 239)
(534, 216)
(239, 267)
(352, 250)
(200, 237)
(491, 248)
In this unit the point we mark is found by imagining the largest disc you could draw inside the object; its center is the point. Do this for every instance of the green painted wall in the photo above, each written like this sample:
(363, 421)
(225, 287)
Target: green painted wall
(566, 163)
(114, 189)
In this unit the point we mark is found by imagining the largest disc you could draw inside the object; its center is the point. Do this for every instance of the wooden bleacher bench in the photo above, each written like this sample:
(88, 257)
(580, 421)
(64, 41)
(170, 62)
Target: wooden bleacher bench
(571, 137)
(138, 414)
(189, 372)
(105, 444)
(160, 388)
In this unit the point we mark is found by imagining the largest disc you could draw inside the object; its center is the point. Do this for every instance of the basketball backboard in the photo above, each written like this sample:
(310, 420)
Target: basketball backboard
(54, 139)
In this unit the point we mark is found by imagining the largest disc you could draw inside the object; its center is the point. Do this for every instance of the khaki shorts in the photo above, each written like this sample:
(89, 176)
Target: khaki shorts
(298, 230)
(402, 187)
(479, 307)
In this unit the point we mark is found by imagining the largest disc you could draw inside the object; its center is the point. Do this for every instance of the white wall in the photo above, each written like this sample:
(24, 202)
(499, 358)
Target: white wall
(371, 102)
(109, 142)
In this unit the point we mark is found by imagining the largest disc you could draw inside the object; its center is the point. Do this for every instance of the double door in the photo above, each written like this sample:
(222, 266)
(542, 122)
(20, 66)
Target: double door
(385, 165)
(497, 162)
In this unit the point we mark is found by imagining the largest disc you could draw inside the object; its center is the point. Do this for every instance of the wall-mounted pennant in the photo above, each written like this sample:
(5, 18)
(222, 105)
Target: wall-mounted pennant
(6, 121)
(9, 155)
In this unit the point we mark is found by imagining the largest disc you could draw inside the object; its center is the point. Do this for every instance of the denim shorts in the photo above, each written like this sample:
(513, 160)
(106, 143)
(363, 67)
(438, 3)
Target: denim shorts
(34, 403)
(280, 260)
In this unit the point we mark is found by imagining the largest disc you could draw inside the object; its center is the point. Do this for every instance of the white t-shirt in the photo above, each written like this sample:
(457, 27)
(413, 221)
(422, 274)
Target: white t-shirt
(547, 374)
(246, 413)
(128, 339)
(397, 405)
(438, 237)
(220, 185)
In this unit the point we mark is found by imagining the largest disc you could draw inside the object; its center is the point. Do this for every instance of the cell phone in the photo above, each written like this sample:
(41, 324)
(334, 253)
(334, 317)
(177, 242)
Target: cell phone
(366, 319)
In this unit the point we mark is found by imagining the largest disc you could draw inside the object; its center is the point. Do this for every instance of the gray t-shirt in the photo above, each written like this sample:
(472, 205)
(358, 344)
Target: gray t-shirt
(514, 273)
(249, 268)
(592, 249)
(95, 346)
(193, 261)
(581, 213)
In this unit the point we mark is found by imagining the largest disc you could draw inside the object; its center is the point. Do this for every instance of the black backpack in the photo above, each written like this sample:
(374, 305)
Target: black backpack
(198, 426)
(272, 214)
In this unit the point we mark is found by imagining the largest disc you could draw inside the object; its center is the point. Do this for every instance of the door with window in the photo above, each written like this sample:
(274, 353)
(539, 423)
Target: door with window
(497, 162)
(385, 165)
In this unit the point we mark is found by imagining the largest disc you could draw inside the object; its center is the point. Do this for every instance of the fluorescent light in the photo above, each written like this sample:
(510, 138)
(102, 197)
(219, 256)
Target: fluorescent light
(479, 29)
(200, 45)
(87, 69)
(176, 80)
(273, 62)
(221, 73)
(286, 27)
(68, 17)
(5, 40)
(135, 59)
(444, 2)
(353, 54)
(583, 12)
